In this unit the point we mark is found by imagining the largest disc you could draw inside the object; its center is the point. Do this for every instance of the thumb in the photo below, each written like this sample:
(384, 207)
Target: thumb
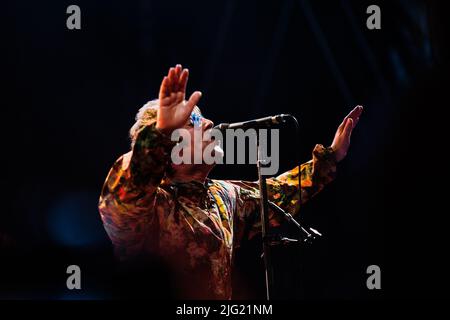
(193, 100)
(348, 128)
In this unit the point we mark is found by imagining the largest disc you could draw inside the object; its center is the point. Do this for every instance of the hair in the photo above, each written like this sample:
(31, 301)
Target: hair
(145, 116)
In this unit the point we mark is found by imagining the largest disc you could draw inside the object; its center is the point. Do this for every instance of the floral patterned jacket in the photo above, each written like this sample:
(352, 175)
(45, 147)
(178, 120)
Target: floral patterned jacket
(195, 227)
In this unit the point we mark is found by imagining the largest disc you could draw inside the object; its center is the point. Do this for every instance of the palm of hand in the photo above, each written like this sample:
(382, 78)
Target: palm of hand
(341, 141)
(174, 110)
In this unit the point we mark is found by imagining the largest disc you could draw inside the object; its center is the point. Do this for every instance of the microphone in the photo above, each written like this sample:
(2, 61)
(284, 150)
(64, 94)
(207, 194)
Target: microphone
(265, 122)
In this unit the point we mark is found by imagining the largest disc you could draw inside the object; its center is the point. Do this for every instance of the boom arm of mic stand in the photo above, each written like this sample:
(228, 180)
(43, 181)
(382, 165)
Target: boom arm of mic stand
(307, 236)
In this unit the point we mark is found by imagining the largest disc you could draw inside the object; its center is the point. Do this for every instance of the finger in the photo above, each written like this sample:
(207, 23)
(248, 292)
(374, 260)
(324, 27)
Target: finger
(193, 100)
(183, 80)
(179, 97)
(178, 70)
(164, 102)
(172, 79)
(177, 77)
(163, 90)
(355, 113)
(342, 125)
(348, 129)
(169, 83)
(167, 100)
(168, 73)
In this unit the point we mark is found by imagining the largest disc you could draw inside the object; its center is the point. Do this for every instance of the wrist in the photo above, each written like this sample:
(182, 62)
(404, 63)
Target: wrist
(164, 130)
(325, 153)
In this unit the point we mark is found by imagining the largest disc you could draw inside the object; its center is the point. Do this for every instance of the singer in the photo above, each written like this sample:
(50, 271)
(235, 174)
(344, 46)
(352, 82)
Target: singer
(151, 206)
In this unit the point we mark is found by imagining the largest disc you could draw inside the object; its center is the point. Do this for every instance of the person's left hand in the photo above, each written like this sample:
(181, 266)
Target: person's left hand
(341, 141)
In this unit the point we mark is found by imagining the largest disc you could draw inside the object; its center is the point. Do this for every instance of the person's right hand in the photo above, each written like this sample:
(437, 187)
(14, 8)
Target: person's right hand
(174, 111)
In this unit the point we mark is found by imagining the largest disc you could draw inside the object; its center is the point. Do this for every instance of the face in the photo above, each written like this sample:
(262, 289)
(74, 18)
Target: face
(198, 128)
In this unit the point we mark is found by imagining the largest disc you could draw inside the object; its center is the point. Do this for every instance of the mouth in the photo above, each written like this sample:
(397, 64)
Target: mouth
(208, 131)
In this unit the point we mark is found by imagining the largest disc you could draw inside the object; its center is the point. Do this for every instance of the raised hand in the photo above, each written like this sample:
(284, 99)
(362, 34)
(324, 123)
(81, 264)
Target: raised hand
(174, 110)
(341, 141)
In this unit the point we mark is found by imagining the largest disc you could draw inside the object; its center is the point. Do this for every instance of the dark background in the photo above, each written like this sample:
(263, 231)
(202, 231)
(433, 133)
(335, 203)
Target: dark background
(70, 96)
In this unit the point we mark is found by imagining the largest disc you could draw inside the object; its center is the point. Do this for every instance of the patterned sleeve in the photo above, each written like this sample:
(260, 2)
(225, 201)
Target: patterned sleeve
(129, 190)
(283, 190)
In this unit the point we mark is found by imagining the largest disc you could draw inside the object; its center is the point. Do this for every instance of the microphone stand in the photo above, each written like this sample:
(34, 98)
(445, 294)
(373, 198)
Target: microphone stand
(264, 213)
(269, 239)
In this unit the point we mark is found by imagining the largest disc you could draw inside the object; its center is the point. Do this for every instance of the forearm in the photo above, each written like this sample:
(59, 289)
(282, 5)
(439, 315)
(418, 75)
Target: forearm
(284, 190)
(128, 193)
(315, 175)
(150, 158)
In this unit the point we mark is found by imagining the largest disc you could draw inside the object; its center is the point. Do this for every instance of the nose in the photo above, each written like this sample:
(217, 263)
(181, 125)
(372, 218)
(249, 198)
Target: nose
(207, 124)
